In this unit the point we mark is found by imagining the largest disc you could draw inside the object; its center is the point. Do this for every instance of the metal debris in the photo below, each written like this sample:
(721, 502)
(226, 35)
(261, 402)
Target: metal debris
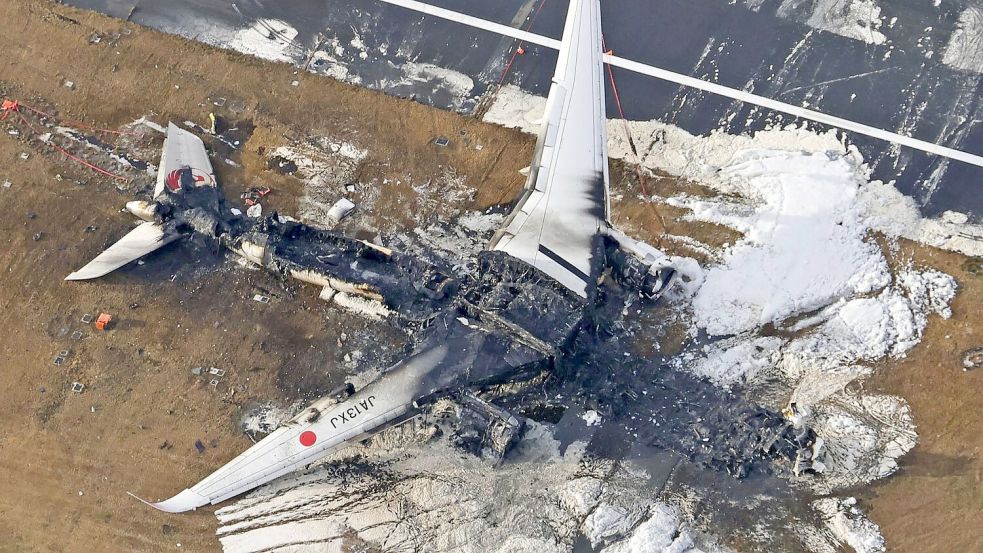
(484, 429)
(255, 194)
(341, 209)
(972, 359)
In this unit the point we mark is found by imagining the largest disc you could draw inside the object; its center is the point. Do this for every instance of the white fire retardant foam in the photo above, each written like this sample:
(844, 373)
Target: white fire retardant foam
(804, 243)
(270, 39)
(806, 263)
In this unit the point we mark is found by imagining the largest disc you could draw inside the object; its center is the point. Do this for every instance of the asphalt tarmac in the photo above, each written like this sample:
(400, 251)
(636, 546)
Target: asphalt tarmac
(758, 45)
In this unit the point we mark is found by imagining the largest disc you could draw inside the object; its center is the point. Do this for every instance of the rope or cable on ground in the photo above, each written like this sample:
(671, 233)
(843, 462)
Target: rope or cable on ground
(13, 106)
(637, 161)
(79, 124)
(516, 52)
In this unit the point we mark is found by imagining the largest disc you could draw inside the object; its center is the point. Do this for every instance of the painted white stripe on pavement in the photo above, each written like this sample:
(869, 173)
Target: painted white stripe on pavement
(477, 22)
(796, 111)
(692, 82)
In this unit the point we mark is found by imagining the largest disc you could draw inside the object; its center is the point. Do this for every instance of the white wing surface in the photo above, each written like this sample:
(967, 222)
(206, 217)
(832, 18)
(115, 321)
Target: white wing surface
(320, 429)
(140, 241)
(565, 203)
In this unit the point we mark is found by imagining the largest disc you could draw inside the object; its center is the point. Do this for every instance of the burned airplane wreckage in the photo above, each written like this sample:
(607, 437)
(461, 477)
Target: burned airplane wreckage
(545, 286)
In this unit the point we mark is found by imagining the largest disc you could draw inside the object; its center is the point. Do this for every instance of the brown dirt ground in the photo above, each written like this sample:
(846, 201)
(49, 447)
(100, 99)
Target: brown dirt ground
(66, 459)
(650, 221)
(934, 503)
(140, 394)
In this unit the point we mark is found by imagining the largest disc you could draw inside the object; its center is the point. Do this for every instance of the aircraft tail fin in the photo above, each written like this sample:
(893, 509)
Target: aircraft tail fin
(145, 238)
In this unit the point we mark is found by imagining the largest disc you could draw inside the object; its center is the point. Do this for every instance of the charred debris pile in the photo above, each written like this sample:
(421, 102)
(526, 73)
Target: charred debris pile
(516, 336)
(511, 332)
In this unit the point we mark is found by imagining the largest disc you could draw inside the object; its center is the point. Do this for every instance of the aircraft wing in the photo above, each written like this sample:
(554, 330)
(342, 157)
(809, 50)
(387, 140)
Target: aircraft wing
(145, 238)
(320, 429)
(454, 354)
(565, 202)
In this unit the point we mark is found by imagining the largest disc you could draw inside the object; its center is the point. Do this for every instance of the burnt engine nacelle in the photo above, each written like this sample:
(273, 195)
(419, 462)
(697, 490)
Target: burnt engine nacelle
(639, 265)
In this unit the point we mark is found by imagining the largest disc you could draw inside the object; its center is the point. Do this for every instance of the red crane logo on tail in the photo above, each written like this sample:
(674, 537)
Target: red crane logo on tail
(188, 176)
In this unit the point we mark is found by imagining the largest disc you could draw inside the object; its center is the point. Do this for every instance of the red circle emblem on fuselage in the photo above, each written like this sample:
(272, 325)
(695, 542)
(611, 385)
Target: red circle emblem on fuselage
(308, 438)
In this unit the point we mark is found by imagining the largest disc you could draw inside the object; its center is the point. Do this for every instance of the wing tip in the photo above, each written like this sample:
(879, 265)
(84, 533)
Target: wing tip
(140, 499)
(185, 501)
(86, 273)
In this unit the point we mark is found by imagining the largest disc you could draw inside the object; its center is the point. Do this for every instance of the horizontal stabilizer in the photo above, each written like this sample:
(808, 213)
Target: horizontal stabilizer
(137, 243)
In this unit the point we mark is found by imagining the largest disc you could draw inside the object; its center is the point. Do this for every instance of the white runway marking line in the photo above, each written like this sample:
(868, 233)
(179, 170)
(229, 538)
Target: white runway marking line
(477, 22)
(692, 82)
(796, 111)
